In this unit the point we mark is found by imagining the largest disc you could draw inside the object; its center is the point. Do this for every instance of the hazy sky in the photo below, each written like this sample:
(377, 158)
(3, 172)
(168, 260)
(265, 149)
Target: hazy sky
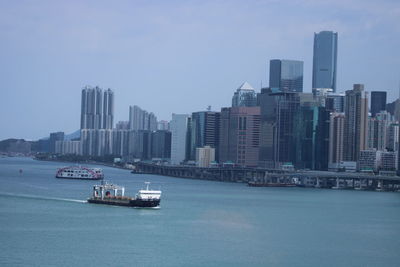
(176, 56)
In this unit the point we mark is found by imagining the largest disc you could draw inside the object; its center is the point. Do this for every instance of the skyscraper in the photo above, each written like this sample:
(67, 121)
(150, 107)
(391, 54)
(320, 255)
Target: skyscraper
(240, 135)
(204, 131)
(91, 108)
(325, 60)
(378, 102)
(334, 102)
(108, 109)
(245, 96)
(311, 134)
(97, 115)
(278, 114)
(161, 144)
(286, 75)
(140, 119)
(97, 111)
(336, 133)
(356, 122)
(178, 125)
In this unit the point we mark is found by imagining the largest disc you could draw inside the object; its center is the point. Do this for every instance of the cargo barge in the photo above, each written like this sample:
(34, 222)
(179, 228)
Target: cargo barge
(110, 194)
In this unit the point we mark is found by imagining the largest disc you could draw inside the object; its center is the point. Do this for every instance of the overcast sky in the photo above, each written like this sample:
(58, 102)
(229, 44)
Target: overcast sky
(176, 56)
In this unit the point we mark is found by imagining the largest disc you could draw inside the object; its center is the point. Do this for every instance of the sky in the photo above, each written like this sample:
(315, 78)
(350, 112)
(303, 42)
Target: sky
(176, 56)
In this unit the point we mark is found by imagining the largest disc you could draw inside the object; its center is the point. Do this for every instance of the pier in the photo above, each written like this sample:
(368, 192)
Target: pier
(317, 179)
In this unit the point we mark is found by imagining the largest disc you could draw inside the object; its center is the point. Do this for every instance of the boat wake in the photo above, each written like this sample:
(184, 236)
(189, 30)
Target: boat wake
(42, 198)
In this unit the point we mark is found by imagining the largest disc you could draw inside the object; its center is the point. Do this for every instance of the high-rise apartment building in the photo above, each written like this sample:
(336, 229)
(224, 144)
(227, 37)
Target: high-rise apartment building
(356, 122)
(122, 125)
(336, 138)
(286, 75)
(91, 108)
(382, 122)
(163, 125)
(97, 115)
(179, 124)
(245, 96)
(108, 109)
(325, 60)
(97, 109)
(140, 119)
(378, 102)
(392, 143)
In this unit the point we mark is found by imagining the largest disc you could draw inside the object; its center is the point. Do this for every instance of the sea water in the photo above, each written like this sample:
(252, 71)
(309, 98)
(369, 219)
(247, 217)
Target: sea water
(45, 221)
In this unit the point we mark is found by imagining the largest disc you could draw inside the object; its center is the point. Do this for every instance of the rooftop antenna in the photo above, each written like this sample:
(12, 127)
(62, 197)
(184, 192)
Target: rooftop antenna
(208, 108)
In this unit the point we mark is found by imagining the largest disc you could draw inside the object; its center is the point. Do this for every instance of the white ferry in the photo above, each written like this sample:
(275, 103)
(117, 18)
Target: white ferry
(79, 172)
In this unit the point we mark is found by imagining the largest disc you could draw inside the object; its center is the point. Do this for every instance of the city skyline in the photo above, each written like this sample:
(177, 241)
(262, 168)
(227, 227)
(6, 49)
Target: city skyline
(48, 59)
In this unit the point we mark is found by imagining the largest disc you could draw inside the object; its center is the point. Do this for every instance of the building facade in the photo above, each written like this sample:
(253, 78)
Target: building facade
(239, 136)
(54, 137)
(97, 109)
(286, 75)
(378, 102)
(203, 131)
(205, 156)
(140, 119)
(161, 144)
(245, 96)
(179, 124)
(277, 143)
(108, 109)
(356, 122)
(336, 139)
(334, 102)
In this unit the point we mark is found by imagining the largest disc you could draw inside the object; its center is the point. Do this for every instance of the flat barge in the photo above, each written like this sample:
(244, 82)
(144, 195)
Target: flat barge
(259, 184)
(110, 194)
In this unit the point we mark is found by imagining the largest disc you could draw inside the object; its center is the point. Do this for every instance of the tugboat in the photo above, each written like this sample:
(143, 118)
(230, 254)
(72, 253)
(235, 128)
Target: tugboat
(111, 194)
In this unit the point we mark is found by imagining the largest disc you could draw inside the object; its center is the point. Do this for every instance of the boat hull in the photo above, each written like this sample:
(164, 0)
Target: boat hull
(127, 203)
(78, 178)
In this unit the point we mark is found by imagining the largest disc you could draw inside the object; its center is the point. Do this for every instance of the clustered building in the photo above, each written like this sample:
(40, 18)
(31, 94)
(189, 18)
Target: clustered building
(279, 127)
(137, 138)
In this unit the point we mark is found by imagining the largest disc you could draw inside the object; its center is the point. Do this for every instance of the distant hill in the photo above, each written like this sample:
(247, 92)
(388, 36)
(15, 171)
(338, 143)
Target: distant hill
(74, 135)
(68, 137)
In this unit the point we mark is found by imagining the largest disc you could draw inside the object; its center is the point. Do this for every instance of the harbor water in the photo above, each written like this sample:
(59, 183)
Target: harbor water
(45, 221)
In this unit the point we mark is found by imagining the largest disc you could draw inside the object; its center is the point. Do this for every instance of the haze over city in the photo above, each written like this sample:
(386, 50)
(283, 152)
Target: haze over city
(176, 57)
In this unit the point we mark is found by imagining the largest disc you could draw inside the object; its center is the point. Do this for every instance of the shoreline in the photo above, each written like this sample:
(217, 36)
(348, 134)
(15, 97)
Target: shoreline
(82, 162)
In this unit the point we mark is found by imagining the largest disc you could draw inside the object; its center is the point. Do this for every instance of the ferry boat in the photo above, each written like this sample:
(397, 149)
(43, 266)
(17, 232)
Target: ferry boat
(79, 172)
(111, 194)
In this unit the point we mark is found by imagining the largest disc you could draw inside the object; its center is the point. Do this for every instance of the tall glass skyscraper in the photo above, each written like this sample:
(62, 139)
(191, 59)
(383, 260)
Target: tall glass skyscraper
(286, 75)
(325, 60)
